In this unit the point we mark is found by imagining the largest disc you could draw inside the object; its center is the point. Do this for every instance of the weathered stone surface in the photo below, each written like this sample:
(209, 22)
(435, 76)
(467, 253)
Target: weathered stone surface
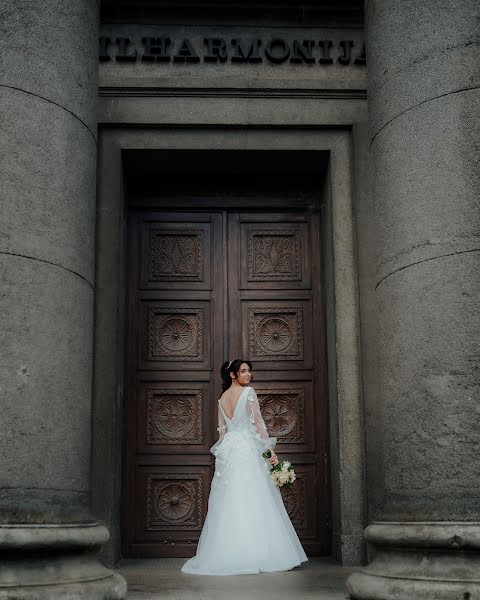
(426, 183)
(423, 561)
(51, 53)
(424, 102)
(427, 218)
(47, 185)
(428, 357)
(349, 413)
(46, 315)
(48, 162)
(418, 53)
(365, 235)
(34, 572)
(184, 111)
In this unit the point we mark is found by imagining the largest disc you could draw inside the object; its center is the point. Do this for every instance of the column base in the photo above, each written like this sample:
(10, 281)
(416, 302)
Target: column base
(56, 562)
(111, 588)
(420, 561)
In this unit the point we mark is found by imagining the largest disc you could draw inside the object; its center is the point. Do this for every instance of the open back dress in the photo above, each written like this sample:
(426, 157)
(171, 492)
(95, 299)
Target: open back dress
(247, 529)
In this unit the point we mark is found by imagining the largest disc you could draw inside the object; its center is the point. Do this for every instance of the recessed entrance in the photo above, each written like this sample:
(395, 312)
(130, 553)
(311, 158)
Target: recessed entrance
(242, 279)
(136, 177)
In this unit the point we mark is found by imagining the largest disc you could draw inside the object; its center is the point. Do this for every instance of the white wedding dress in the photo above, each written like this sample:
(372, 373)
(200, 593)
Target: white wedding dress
(247, 529)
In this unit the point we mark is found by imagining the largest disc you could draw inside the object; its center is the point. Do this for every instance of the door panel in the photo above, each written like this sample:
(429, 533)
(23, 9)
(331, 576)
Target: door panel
(175, 499)
(173, 418)
(274, 330)
(271, 269)
(187, 313)
(276, 253)
(172, 334)
(287, 408)
(175, 255)
(174, 341)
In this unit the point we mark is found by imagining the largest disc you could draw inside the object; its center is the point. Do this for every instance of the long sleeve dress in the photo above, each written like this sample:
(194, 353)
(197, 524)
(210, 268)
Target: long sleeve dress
(247, 529)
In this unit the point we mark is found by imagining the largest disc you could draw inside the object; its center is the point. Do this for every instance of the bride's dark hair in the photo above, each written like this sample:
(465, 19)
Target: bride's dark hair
(231, 367)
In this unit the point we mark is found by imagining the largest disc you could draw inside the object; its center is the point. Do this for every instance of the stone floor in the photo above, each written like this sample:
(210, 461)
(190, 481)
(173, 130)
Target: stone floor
(161, 579)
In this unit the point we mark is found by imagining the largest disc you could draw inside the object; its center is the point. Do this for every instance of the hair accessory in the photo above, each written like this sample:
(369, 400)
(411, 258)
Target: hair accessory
(228, 366)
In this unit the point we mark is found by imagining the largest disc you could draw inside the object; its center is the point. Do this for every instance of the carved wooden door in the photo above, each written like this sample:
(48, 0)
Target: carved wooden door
(187, 313)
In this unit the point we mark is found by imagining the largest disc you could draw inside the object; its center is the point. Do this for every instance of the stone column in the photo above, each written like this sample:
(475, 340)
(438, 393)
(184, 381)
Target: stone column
(48, 90)
(424, 103)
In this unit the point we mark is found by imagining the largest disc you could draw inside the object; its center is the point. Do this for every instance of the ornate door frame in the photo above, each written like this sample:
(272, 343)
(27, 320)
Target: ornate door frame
(342, 309)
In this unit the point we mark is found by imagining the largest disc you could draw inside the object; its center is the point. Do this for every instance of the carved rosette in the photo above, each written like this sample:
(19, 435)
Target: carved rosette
(176, 255)
(175, 334)
(174, 416)
(275, 333)
(173, 501)
(284, 414)
(295, 500)
(274, 255)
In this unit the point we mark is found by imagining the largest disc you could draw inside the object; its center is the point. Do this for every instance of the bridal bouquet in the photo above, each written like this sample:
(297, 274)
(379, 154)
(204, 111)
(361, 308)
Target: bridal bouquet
(282, 473)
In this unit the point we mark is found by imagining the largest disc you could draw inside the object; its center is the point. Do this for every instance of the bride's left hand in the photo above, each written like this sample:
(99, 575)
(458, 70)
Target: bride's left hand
(273, 460)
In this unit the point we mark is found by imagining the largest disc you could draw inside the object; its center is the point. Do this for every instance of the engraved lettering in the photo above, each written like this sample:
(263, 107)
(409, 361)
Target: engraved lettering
(103, 44)
(123, 54)
(346, 57)
(302, 51)
(244, 54)
(277, 51)
(362, 57)
(216, 50)
(326, 46)
(186, 53)
(156, 49)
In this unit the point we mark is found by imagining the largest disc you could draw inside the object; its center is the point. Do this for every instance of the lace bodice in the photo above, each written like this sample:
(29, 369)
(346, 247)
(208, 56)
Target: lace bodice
(246, 418)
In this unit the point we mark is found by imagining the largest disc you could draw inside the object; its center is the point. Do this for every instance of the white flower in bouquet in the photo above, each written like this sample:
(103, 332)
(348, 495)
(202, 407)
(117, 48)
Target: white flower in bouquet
(285, 465)
(274, 476)
(283, 477)
(292, 476)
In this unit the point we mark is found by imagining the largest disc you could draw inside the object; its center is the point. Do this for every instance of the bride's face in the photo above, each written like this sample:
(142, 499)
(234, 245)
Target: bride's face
(244, 375)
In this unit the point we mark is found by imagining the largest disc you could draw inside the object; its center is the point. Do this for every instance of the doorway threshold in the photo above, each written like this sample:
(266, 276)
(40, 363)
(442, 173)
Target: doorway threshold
(162, 579)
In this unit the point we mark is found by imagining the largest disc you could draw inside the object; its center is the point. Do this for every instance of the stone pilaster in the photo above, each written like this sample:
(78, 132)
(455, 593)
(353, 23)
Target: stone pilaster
(48, 90)
(424, 104)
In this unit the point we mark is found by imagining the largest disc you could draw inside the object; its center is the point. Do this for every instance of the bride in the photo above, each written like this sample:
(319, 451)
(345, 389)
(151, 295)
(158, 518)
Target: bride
(247, 529)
